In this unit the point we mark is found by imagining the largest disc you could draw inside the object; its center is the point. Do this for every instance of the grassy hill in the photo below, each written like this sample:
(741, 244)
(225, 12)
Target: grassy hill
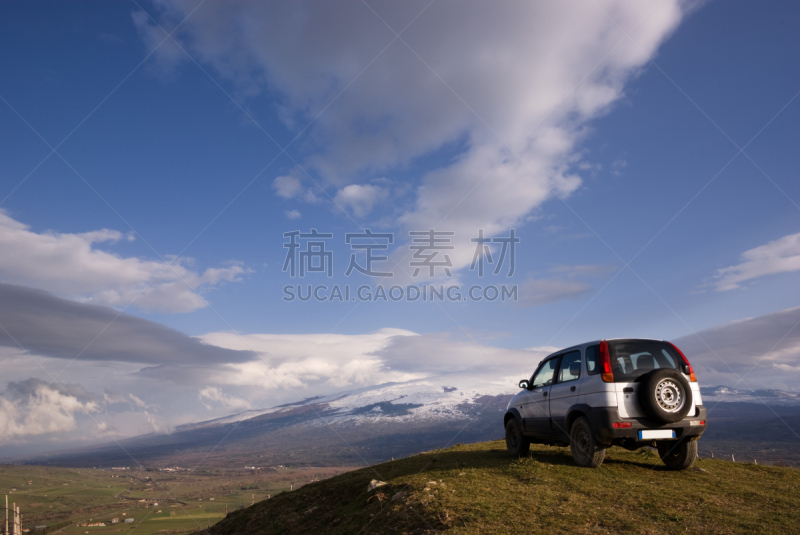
(477, 488)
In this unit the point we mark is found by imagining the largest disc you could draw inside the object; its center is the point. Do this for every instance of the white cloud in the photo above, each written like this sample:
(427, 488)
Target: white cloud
(34, 408)
(169, 54)
(287, 186)
(779, 256)
(133, 402)
(440, 353)
(214, 394)
(293, 214)
(529, 75)
(360, 198)
(157, 424)
(325, 363)
(73, 266)
(290, 361)
(618, 166)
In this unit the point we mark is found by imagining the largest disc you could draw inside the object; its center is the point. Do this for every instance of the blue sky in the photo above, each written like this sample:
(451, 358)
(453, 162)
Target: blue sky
(597, 148)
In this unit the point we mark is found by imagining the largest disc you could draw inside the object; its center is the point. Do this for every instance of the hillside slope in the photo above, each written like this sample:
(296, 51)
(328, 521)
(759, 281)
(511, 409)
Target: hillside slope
(477, 488)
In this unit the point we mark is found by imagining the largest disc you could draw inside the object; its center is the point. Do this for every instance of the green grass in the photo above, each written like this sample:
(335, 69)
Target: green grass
(480, 489)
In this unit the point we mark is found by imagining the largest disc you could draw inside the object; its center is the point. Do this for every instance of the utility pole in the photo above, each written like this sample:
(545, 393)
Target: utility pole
(6, 531)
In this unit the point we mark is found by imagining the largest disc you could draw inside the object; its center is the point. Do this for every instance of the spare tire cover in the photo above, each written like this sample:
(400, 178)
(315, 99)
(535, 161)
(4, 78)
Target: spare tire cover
(665, 395)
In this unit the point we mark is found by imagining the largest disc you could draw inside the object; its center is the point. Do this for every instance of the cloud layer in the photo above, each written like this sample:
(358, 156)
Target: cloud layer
(298, 365)
(545, 291)
(72, 265)
(762, 352)
(39, 322)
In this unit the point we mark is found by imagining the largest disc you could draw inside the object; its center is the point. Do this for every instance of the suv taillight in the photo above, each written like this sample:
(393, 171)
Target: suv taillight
(605, 363)
(692, 376)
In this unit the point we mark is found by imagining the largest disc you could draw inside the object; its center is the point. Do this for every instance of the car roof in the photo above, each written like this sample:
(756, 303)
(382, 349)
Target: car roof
(594, 342)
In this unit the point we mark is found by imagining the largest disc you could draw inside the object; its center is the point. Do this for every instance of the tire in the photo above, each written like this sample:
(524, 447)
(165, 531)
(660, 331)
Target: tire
(678, 455)
(585, 449)
(665, 395)
(518, 444)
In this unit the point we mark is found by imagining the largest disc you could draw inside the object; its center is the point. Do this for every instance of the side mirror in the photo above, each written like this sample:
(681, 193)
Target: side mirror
(525, 384)
(685, 369)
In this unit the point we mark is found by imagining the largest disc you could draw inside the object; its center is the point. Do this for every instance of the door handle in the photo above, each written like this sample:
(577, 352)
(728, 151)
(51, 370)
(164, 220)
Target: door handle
(572, 389)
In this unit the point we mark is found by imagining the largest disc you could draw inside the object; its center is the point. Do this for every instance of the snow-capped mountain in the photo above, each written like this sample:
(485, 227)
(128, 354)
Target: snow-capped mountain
(355, 427)
(763, 396)
(451, 396)
(375, 423)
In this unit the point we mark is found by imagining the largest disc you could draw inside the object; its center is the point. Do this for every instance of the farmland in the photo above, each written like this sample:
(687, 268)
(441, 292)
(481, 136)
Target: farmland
(157, 501)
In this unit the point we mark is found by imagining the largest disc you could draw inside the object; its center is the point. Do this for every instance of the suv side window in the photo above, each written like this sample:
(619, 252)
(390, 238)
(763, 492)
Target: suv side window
(593, 359)
(570, 367)
(546, 374)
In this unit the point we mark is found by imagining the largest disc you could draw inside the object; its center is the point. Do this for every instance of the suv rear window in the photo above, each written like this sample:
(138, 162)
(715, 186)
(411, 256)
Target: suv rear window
(630, 359)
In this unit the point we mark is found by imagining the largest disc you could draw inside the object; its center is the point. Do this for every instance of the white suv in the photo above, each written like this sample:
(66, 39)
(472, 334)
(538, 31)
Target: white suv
(624, 392)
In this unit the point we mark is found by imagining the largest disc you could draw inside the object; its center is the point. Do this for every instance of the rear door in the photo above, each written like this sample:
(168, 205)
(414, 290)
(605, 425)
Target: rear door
(564, 393)
(536, 416)
(631, 359)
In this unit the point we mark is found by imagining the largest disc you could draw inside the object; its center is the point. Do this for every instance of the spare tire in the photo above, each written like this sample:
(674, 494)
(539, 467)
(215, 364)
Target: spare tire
(665, 395)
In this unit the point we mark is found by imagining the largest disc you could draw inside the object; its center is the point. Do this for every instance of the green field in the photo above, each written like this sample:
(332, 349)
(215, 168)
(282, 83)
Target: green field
(186, 501)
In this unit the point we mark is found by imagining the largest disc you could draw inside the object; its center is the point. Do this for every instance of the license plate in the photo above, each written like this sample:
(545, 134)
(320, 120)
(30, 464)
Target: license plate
(656, 433)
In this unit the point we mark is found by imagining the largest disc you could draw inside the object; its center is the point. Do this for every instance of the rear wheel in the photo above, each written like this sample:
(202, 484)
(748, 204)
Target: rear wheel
(518, 444)
(678, 455)
(585, 449)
